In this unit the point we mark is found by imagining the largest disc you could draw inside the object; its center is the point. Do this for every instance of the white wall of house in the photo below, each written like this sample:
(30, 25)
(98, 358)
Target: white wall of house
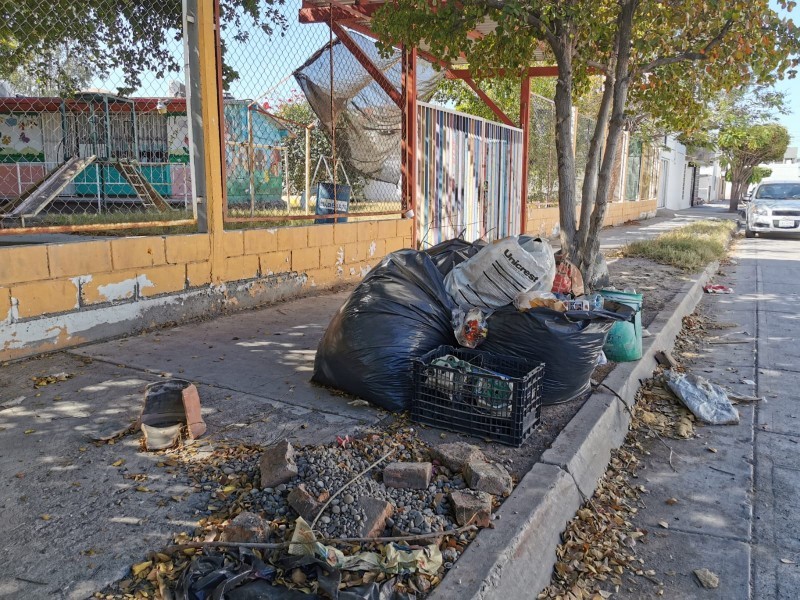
(674, 191)
(710, 186)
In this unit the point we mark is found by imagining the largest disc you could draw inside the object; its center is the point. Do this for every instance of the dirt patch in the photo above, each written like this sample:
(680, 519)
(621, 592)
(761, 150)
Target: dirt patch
(656, 282)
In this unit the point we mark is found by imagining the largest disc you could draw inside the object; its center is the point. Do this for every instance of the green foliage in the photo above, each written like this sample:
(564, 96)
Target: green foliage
(133, 36)
(505, 92)
(298, 112)
(683, 52)
(691, 247)
(757, 176)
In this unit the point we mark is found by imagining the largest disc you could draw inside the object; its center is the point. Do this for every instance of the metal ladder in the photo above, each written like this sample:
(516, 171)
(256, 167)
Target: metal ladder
(143, 188)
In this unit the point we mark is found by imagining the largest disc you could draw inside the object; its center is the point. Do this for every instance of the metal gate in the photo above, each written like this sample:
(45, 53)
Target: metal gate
(469, 177)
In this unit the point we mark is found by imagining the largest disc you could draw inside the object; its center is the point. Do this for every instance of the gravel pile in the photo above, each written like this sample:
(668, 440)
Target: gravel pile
(325, 469)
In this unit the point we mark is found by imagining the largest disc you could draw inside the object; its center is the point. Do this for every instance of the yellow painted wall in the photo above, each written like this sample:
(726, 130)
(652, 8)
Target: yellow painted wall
(545, 221)
(39, 280)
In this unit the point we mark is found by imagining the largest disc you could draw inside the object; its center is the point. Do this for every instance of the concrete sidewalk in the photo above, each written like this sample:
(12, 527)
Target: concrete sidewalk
(71, 517)
(738, 504)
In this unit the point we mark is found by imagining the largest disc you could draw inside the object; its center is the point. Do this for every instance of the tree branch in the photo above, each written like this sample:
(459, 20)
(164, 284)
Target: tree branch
(701, 55)
(532, 18)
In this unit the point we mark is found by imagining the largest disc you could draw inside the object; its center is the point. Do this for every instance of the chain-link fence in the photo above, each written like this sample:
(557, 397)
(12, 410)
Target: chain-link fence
(542, 160)
(642, 170)
(308, 129)
(93, 126)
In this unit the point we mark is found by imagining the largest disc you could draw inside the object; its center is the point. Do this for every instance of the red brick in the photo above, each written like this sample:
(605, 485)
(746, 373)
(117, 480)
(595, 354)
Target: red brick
(474, 508)
(408, 475)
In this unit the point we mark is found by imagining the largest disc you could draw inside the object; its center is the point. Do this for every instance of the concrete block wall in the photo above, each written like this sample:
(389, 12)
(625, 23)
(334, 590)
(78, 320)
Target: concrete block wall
(544, 222)
(53, 296)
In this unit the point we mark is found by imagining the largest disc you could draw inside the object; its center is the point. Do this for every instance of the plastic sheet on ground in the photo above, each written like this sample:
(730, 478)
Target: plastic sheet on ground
(707, 401)
(396, 559)
(399, 312)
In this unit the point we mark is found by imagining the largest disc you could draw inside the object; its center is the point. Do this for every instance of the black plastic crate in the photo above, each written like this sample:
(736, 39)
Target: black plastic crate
(497, 397)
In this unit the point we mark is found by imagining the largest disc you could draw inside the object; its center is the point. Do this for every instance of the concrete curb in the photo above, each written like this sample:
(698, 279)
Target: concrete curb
(516, 558)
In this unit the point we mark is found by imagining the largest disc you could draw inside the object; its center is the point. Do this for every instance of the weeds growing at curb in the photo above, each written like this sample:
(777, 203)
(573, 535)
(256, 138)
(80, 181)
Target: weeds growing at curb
(690, 247)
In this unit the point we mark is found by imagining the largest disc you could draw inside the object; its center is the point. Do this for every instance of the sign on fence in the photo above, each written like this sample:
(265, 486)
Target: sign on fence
(328, 203)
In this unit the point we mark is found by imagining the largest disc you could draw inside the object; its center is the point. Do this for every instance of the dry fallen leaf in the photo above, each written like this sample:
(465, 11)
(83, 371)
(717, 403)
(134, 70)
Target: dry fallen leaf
(45, 517)
(141, 567)
(712, 450)
(671, 501)
(118, 463)
(27, 431)
(787, 561)
(664, 524)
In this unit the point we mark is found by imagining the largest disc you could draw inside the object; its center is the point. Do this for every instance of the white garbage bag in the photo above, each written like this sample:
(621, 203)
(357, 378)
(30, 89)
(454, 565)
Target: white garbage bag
(501, 271)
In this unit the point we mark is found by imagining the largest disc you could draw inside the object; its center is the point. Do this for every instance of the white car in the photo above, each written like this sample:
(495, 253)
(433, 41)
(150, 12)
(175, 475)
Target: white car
(774, 207)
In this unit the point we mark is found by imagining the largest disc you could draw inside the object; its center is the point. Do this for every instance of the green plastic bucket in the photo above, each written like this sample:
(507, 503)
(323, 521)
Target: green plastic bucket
(624, 341)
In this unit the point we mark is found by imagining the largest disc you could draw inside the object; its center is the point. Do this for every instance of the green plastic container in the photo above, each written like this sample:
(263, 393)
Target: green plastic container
(624, 341)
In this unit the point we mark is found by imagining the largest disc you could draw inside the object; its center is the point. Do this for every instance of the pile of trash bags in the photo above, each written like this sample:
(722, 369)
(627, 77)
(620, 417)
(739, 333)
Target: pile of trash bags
(512, 297)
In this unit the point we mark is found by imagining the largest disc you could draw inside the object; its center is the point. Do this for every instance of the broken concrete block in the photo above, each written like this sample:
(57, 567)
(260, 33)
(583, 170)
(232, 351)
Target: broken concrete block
(408, 475)
(277, 465)
(456, 455)
(246, 527)
(168, 405)
(303, 503)
(377, 511)
(488, 477)
(473, 508)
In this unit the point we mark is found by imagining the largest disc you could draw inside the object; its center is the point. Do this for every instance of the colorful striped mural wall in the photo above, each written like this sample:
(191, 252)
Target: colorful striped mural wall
(469, 176)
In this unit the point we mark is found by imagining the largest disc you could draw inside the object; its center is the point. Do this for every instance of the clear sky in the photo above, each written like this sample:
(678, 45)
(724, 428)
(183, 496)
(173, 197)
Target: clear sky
(265, 61)
(791, 87)
(792, 120)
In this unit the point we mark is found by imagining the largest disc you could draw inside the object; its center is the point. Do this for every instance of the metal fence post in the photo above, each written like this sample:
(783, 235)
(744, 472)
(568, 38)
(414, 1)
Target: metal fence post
(210, 100)
(194, 114)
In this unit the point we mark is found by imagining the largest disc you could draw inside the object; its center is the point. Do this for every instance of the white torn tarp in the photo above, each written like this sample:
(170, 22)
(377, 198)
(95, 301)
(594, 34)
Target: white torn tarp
(708, 401)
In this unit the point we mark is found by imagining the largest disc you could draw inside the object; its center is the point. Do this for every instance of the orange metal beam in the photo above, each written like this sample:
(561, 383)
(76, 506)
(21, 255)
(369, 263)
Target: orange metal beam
(525, 123)
(488, 101)
(365, 62)
(409, 136)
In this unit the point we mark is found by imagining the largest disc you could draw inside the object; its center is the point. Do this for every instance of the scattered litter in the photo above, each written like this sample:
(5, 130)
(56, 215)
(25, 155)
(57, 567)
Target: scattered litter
(470, 327)
(105, 432)
(787, 561)
(707, 579)
(568, 278)
(646, 333)
(748, 382)
(12, 403)
(168, 406)
(743, 398)
(706, 400)
(666, 359)
(49, 379)
(358, 402)
(717, 289)
(664, 524)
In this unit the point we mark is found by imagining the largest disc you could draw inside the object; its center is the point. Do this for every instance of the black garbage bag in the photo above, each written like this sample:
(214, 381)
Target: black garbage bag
(398, 313)
(450, 253)
(567, 343)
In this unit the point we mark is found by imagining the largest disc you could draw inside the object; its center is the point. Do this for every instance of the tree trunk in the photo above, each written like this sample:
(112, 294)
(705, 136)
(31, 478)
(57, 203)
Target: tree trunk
(565, 151)
(588, 253)
(593, 158)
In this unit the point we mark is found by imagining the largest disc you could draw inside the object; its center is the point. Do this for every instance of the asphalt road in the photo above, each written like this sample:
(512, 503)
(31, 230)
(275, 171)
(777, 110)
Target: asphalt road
(738, 487)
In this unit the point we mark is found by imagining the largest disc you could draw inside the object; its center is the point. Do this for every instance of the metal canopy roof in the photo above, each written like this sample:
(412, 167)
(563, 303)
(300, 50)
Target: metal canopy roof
(357, 15)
